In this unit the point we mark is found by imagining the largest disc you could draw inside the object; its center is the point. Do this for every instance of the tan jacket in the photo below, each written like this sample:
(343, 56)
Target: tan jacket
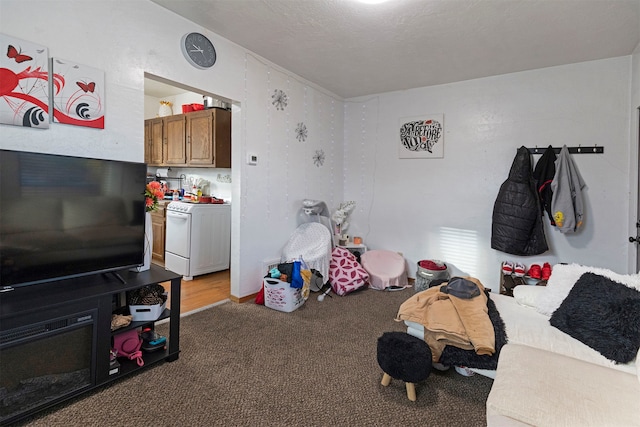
(449, 320)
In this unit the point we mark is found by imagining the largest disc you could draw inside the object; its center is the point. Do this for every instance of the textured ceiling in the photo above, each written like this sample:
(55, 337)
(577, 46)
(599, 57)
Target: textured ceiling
(355, 49)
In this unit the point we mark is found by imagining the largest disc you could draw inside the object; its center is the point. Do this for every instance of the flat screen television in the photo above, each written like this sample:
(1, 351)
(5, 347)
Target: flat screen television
(64, 216)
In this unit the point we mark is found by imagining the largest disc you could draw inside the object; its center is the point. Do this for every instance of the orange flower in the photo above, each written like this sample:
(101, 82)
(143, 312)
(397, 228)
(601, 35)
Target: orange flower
(153, 192)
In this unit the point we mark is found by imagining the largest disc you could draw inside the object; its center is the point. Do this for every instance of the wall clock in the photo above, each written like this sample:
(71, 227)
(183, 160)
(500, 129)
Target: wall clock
(198, 50)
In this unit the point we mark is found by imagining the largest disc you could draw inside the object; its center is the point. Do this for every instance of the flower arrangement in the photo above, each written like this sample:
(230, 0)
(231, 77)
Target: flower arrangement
(152, 193)
(165, 109)
(341, 215)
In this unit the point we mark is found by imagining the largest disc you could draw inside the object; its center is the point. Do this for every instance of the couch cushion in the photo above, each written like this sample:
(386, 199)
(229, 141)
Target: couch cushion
(602, 314)
(527, 296)
(528, 327)
(564, 276)
(541, 388)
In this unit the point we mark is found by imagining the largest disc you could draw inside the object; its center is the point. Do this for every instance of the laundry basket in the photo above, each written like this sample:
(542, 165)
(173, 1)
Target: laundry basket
(311, 241)
(280, 296)
(429, 270)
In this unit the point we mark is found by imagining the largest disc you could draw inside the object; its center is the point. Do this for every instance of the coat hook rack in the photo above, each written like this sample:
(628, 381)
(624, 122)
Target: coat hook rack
(592, 149)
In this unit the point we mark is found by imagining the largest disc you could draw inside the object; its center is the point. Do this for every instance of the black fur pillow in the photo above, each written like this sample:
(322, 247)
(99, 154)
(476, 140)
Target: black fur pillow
(454, 356)
(603, 314)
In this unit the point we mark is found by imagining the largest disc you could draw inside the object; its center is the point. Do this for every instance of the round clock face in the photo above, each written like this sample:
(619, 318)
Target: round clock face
(198, 50)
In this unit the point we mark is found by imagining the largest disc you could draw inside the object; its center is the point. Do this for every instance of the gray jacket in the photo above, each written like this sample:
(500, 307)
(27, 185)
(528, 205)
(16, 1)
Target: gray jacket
(567, 204)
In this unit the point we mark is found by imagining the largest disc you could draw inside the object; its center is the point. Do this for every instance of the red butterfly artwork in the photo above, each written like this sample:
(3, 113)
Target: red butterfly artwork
(87, 87)
(13, 53)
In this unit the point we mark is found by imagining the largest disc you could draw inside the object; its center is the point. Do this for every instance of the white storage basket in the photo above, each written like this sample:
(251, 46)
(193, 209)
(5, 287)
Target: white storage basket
(144, 313)
(280, 296)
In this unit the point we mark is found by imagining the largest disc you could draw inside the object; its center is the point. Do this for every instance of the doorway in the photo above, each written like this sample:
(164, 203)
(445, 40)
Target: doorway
(207, 289)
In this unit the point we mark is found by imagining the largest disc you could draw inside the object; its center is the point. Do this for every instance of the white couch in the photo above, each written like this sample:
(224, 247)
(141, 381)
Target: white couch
(547, 378)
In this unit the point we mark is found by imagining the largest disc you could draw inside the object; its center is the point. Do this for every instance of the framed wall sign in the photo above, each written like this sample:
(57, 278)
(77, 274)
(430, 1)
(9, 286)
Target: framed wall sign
(421, 137)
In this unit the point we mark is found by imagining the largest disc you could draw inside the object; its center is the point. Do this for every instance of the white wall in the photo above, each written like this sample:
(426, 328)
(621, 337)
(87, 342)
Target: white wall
(127, 39)
(634, 158)
(404, 205)
(442, 208)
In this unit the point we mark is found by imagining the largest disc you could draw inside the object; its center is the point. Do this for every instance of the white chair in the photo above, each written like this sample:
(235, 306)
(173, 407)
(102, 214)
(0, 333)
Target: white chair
(312, 240)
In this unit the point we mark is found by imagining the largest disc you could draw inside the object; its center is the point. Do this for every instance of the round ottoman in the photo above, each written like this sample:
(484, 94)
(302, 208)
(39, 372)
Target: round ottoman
(404, 357)
(386, 269)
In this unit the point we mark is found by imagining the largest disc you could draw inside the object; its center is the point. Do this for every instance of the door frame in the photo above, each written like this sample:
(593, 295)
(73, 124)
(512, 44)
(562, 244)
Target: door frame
(636, 222)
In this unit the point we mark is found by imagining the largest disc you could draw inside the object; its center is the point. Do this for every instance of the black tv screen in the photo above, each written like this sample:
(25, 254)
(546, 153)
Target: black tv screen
(64, 216)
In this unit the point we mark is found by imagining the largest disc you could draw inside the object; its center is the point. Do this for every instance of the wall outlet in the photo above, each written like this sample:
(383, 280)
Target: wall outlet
(252, 159)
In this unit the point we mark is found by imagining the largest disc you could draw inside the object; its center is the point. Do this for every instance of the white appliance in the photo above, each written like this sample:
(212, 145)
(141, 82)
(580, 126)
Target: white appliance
(198, 238)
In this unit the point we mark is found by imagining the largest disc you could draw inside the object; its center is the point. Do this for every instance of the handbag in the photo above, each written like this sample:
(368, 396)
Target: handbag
(127, 344)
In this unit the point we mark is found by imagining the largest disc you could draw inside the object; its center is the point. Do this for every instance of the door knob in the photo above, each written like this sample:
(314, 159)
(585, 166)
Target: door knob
(634, 239)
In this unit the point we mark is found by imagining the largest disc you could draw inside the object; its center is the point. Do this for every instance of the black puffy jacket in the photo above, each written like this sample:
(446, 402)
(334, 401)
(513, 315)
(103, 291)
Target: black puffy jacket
(517, 226)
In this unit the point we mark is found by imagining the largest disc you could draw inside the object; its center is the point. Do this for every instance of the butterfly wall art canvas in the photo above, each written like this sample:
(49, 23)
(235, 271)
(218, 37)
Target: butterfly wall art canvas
(78, 94)
(24, 83)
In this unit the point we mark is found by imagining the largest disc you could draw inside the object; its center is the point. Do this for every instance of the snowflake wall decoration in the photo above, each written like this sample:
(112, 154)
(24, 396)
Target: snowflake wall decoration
(301, 132)
(280, 99)
(318, 158)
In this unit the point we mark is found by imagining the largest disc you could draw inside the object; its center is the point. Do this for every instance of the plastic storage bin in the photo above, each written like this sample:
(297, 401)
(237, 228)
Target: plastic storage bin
(280, 296)
(144, 313)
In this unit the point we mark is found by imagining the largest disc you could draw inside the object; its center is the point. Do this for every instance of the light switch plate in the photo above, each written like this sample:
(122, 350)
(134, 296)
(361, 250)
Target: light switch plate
(252, 159)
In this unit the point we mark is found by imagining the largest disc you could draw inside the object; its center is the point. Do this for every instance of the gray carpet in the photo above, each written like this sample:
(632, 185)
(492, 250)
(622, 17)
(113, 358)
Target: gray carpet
(244, 364)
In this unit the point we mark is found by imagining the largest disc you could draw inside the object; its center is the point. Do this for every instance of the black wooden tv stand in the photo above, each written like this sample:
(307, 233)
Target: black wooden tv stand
(60, 332)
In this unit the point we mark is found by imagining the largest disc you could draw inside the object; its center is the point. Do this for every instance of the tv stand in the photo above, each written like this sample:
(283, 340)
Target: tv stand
(73, 317)
(118, 276)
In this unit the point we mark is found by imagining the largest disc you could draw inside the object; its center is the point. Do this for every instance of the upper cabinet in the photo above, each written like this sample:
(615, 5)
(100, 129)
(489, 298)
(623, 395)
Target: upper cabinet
(209, 138)
(197, 139)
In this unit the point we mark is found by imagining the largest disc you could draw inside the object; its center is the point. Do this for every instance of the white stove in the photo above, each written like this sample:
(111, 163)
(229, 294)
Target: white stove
(188, 207)
(198, 238)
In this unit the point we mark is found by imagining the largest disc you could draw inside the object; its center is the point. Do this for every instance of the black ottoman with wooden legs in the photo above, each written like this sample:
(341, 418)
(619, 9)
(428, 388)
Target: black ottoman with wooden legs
(404, 357)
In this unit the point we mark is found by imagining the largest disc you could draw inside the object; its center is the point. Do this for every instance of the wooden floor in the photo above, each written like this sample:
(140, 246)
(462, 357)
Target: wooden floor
(203, 290)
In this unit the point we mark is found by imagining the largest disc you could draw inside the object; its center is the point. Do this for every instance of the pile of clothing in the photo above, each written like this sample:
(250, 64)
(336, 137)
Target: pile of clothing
(461, 324)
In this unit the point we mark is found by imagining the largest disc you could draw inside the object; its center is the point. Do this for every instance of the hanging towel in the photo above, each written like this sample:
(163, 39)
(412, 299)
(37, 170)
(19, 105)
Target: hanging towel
(567, 185)
(543, 173)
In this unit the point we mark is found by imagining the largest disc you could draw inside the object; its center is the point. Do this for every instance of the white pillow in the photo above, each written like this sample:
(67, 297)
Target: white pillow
(527, 295)
(564, 276)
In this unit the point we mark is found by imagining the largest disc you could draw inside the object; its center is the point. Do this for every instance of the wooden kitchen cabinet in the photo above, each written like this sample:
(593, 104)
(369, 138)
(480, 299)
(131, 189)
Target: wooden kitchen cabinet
(165, 140)
(175, 143)
(158, 225)
(197, 139)
(154, 140)
(209, 138)
(147, 141)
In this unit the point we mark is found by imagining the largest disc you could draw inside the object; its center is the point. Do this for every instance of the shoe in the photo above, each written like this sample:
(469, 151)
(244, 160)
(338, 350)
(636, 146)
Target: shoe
(464, 371)
(546, 271)
(508, 285)
(535, 272)
(440, 366)
(519, 270)
(507, 268)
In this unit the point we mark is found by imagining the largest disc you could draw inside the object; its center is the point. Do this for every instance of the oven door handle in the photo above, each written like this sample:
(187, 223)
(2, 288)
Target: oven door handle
(178, 215)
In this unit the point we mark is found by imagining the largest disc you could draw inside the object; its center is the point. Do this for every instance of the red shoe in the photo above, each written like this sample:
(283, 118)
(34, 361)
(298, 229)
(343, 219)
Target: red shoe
(546, 271)
(507, 268)
(535, 272)
(519, 270)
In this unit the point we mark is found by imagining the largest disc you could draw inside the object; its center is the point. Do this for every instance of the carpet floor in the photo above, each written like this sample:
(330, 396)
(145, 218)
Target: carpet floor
(244, 364)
